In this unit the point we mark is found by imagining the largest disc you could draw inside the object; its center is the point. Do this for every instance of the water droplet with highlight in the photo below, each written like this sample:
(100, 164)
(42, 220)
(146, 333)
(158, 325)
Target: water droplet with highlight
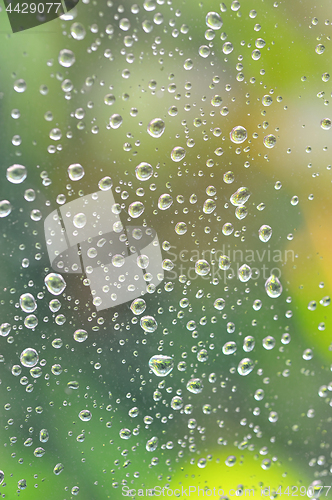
(80, 335)
(5, 208)
(138, 306)
(245, 366)
(156, 127)
(161, 365)
(165, 201)
(105, 183)
(195, 385)
(20, 86)
(29, 357)
(77, 31)
(55, 283)
(85, 415)
(202, 267)
(66, 58)
(115, 121)
(16, 174)
(75, 172)
(144, 171)
(148, 324)
(79, 220)
(28, 303)
(244, 273)
(152, 444)
(178, 153)
(265, 233)
(269, 141)
(240, 197)
(238, 134)
(213, 20)
(273, 287)
(136, 209)
(326, 124)
(224, 262)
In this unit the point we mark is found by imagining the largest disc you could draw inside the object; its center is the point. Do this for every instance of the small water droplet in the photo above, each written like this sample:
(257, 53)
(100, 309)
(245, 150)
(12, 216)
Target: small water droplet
(265, 233)
(66, 58)
(80, 335)
(85, 415)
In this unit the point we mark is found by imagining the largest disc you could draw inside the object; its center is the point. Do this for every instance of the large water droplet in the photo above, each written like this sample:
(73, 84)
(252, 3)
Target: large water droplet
(195, 385)
(77, 31)
(75, 172)
(16, 174)
(29, 357)
(213, 20)
(58, 468)
(229, 348)
(144, 171)
(105, 183)
(165, 201)
(178, 153)
(79, 220)
(240, 197)
(80, 335)
(152, 444)
(244, 273)
(161, 365)
(55, 283)
(326, 124)
(66, 58)
(265, 233)
(5, 208)
(20, 86)
(149, 324)
(245, 366)
(138, 306)
(136, 209)
(238, 134)
(156, 127)
(269, 141)
(115, 121)
(202, 267)
(28, 302)
(85, 415)
(209, 206)
(273, 287)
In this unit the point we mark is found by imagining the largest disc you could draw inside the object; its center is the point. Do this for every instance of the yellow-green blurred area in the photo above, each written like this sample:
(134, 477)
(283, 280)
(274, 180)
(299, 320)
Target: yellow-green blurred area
(84, 89)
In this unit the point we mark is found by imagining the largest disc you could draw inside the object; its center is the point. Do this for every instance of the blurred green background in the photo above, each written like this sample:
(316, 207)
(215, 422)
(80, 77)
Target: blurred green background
(151, 64)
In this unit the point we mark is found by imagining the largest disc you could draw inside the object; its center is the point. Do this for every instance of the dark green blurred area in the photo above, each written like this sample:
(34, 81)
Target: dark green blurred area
(147, 75)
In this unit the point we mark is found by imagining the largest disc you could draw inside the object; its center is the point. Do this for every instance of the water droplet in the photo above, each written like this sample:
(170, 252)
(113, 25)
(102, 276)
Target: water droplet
(204, 51)
(307, 354)
(269, 343)
(136, 209)
(265, 233)
(138, 306)
(244, 273)
(79, 220)
(219, 304)
(105, 183)
(58, 469)
(29, 357)
(181, 228)
(229, 348)
(195, 385)
(161, 365)
(227, 48)
(133, 412)
(178, 153)
(22, 484)
(2, 476)
(319, 49)
(43, 436)
(115, 121)
(16, 174)
(149, 324)
(28, 302)
(269, 141)
(245, 366)
(80, 335)
(202, 267)
(230, 461)
(124, 24)
(156, 127)
(39, 452)
(85, 415)
(238, 134)
(55, 283)
(209, 206)
(267, 100)
(144, 171)
(77, 31)
(229, 177)
(66, 58)
(5, 208)
(325, 301)
(240, 197)
(20, 86)
(224, 262)
(152, 444)
(75, 172)
(213, 20)
(201, 463)
(273, 287)
(326, 124)
(165, 201)
(176, 403)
